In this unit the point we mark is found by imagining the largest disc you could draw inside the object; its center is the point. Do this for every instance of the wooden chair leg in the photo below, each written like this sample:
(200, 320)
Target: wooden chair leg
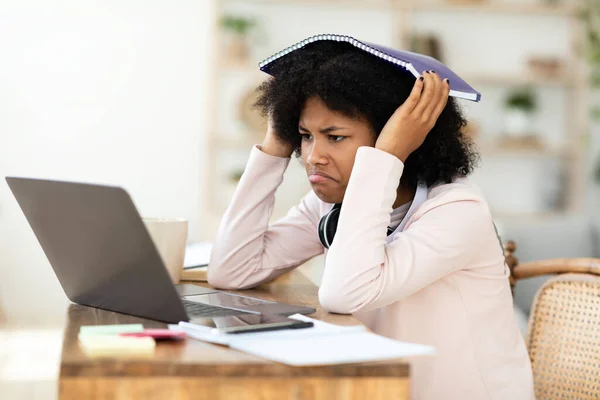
(511, 261)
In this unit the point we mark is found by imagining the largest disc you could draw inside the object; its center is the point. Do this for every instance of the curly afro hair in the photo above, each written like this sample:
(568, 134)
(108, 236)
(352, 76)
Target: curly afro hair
(360, 85)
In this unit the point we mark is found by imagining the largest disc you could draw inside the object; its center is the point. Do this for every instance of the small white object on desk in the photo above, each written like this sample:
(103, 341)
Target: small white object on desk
(203, 333)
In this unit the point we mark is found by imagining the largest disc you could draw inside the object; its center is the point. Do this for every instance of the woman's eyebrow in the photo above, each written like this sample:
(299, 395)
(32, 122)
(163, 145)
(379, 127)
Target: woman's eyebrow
(327, 130)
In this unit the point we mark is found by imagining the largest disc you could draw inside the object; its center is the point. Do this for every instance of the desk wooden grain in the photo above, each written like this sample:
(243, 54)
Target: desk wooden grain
(193, 369)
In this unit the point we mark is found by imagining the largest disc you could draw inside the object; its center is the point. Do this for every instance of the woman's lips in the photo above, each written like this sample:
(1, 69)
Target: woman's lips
(319, 178)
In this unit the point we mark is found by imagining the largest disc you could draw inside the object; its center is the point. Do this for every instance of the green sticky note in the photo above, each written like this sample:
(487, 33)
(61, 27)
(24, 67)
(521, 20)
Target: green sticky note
(110, 329)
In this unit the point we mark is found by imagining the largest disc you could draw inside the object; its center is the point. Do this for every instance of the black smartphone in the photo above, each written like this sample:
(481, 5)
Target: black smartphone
(250, 323)
(289, 324)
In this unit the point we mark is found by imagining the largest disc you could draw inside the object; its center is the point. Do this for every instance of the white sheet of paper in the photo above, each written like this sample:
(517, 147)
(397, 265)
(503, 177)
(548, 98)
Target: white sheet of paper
(197, 254)
(341, 348)
(322, 344)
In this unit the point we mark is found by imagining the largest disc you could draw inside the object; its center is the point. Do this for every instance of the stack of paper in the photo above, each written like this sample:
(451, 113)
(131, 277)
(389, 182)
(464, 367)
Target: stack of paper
(197, 255)
(320, 345)
(195, 264)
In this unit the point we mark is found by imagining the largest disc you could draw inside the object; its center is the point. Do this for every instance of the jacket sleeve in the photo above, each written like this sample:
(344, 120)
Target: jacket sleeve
(247, 250)
(362, 272)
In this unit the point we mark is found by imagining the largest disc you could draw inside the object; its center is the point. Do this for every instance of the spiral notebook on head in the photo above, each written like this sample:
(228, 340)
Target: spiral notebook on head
(410, 62)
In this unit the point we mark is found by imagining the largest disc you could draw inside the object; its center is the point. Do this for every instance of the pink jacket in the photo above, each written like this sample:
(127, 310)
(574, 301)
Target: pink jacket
(442, 281)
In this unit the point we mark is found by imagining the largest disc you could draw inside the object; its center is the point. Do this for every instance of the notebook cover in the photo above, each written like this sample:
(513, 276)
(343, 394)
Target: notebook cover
(405, 60)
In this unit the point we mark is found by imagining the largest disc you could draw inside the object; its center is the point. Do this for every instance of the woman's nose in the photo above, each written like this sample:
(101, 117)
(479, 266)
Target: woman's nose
(317, 153)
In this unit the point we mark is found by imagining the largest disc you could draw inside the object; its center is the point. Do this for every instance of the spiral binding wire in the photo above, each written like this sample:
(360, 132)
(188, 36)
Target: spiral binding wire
(337, 38)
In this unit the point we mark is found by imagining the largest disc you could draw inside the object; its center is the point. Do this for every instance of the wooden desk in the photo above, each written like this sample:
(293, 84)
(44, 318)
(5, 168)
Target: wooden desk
(196, 370)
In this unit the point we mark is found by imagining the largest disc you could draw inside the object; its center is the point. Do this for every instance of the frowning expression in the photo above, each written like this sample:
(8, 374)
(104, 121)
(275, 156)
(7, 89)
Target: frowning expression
(330, 141)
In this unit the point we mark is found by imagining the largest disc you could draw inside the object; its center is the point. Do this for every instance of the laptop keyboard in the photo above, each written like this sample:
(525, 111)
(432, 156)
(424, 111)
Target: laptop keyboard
(204, 310)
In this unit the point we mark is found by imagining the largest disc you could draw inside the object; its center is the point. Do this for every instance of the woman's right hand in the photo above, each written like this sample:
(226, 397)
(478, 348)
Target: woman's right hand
(273, 145)
(407, 128)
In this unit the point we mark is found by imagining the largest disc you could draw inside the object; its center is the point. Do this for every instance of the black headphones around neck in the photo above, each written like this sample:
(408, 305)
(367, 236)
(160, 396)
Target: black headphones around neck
(328, 226)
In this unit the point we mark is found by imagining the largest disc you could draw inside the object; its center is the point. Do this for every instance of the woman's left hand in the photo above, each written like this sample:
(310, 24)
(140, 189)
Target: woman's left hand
(407, 128)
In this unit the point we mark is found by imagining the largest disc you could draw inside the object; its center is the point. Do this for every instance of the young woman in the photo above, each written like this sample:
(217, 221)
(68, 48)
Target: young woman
(409, 242)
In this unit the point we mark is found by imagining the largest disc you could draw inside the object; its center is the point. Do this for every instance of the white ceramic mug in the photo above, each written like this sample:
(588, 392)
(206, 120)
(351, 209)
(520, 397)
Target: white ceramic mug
(170, 237)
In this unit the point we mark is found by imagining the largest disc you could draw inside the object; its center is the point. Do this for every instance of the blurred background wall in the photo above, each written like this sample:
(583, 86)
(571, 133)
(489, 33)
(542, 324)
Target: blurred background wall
(155, 97)
(103, 91)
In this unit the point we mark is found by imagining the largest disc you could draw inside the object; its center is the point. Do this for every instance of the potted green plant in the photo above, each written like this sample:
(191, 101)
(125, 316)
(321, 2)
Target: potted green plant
(238, 29)
(590, 17)
(236, 175)
(520, 105)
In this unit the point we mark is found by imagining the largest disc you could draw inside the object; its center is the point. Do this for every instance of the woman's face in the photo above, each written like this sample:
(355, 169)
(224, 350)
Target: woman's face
(329, 144)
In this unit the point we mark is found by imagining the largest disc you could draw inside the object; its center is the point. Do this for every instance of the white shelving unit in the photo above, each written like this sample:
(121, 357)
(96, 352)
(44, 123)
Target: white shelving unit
(230, 143)
(562, 133)
(495, 7)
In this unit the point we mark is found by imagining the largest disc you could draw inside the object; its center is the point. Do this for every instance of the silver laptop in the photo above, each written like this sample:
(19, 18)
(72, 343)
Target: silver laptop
(104, 257)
